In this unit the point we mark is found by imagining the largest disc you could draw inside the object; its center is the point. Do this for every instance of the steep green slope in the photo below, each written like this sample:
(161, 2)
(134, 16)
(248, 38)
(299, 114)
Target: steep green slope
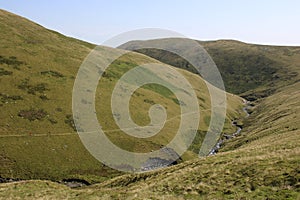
(262, 163)
(37, 72)
(36, 133)
(253, 71)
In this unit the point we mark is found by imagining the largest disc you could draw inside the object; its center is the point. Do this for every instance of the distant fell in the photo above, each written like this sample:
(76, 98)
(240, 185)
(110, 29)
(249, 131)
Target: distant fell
(250, 70)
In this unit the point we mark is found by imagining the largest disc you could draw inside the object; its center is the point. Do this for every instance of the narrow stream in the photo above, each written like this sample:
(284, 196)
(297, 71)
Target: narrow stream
(216, 148)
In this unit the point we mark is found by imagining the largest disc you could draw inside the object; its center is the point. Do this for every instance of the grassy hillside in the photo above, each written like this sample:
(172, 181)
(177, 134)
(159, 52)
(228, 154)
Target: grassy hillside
(37, 72)
(253, 71)
(262, 163)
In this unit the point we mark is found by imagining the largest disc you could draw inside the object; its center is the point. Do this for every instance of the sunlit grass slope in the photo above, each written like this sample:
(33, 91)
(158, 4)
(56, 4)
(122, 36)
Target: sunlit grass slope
(262, 163)
(37, 137)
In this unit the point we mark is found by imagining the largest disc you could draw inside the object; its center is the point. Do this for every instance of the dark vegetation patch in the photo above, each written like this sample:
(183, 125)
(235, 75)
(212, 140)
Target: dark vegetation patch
(70, 121)
(5, 98)
(33, 89)
(241, 70)
(149, 101)
(4, 72)
(255, 95)
(169, 58)
(11, 61)
(53, 73)
(44, 97)
(8, 180)
(33, 114)
(244, 71)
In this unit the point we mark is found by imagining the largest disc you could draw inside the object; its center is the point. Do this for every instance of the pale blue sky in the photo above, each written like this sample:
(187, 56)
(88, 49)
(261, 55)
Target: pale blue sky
(255, 21)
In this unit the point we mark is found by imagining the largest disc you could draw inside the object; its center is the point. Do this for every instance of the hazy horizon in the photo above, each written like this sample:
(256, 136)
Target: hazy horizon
(267, 22)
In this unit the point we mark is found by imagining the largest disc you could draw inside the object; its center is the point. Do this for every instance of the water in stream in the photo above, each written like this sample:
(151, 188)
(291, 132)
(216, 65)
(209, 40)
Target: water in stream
(216, 148)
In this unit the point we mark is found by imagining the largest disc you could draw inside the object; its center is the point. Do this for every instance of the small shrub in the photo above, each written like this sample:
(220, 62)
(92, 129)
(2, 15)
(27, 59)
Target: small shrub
(24, 84)
(32, 89)
(44, 97)
(149, 101)
(41, 87)
(33, 114)
(70, 121)
(52, 73)
(7, 98)
(4, 72)
(11, 61)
